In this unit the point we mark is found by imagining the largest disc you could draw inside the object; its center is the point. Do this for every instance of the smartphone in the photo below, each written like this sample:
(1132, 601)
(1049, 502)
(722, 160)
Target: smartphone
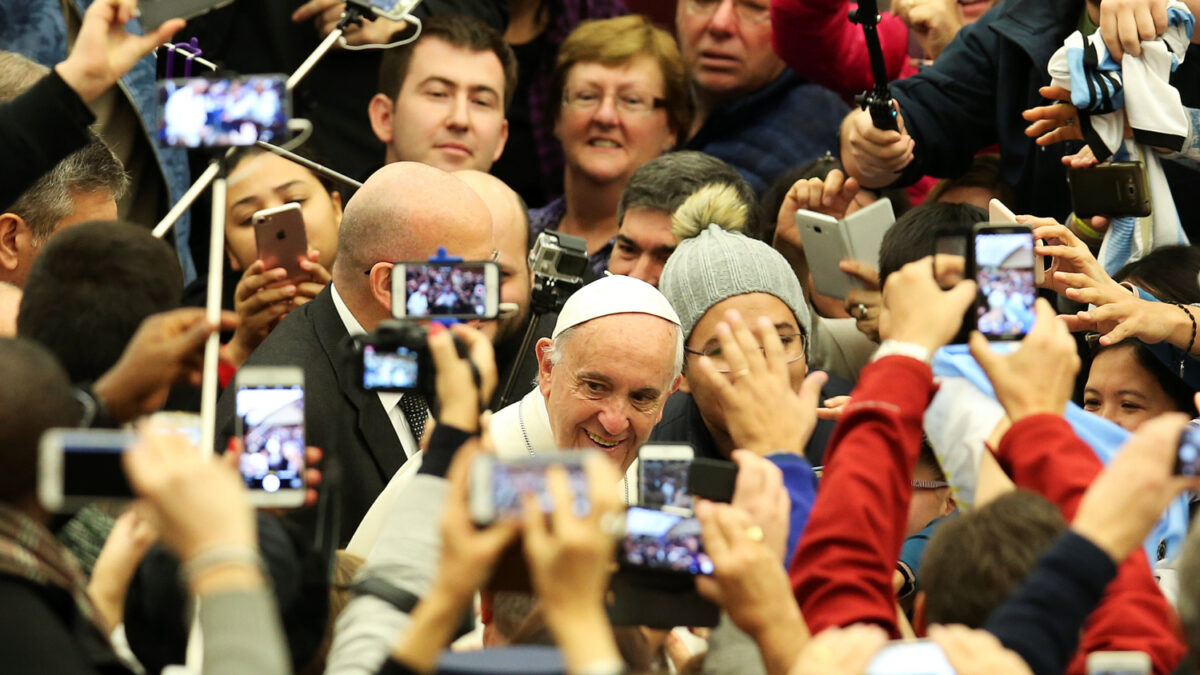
(664, 541)
(79, 466)
(910, 657)
(1002, 265)
(663, 477)
(1187, 455)
(999, 213)
(460, 290)
(270, 422)
(824, 248)
(202, 112)
(865, 229)
(281, 238)
(395, 10)
(1118, 663)
(154, 13)
(713, 479)
(498, 487)
(1117, 189)
(187, 424)
(387, 366)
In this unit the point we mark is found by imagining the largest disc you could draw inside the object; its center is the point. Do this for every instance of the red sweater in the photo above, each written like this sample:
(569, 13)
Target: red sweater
(842, 569)
(1042, 454)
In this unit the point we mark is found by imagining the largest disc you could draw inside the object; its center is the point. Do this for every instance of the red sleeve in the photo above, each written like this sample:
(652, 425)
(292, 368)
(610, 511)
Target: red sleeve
(842, 569)
(1042, 454)
(818, 41)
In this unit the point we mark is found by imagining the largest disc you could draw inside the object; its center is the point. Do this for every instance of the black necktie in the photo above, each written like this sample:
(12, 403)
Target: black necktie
(415, 413)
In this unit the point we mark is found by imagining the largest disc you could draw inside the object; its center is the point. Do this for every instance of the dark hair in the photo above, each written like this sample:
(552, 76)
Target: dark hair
(763, 226)
(37, 396)
(984, 173)
(666, 181)
(462, 31)
(90, 289)
(1180, 394)
(1168, 273)
(928, 459)
(974, 562)
(912, 236)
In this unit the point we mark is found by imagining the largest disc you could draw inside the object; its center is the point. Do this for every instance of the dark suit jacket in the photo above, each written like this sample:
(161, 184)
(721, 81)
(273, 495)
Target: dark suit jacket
(348, 424)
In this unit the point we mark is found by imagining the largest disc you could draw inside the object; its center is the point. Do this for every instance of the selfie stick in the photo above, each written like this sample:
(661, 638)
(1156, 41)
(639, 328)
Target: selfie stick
(354, 14)
(878, 100)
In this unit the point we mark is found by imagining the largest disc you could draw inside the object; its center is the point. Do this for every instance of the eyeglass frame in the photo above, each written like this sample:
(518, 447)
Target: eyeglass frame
(929, 484)
(656, 103)
(798, 335)
(694, 8)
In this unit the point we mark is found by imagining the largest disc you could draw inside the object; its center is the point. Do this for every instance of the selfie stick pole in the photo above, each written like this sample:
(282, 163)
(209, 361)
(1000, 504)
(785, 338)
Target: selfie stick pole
(353, 15)
(878, 100)
(212, 308)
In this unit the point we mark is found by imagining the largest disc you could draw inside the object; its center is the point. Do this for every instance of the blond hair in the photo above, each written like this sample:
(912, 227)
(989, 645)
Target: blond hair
(714, 204)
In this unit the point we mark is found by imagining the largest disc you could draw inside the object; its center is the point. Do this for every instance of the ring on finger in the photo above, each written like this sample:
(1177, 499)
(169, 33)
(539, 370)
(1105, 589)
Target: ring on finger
(755, 533)
(860, 311)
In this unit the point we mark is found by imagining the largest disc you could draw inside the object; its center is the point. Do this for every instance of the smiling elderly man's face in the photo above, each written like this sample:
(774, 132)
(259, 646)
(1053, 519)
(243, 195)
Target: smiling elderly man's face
(607, 390)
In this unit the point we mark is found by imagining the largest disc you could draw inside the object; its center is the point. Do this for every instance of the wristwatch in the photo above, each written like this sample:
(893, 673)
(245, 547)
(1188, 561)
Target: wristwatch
(898, 348)
(95, 413)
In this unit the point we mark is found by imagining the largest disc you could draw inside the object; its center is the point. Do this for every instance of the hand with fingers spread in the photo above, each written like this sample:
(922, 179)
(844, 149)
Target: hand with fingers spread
(104, 51)
(1074, 272)
(831, 196)
(750, 584)
(1039, 376)
(1132, 317)
(1054, 123)
(864, 304)
(872, 156)
(1122, 504)
(570, 561)
(1125, 23)
(760, 492)
(123, 550)
(461, 400)
(839, 651)
(976, 652)
(167, 348)
(325, 15)
(917, 311)
(762, 412)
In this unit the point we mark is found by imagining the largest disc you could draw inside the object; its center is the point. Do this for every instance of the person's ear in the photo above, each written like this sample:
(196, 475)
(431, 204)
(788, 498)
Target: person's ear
(670, 141)
(503, 141)
(233, 261)
(545, 367)
(381, 284)
(683, 384)
(335, 198)
(11, 227)
(380, 111)
(950, 503)
(919, 614)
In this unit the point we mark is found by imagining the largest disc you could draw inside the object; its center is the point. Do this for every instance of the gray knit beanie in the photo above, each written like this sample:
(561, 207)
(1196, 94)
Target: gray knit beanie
(717, 264)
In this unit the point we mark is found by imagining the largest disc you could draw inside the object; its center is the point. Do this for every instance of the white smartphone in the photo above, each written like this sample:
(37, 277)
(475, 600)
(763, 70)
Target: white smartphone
(910, 657)
(79, 466)
(282, 240)
(183, 423)
(498, 487)
(1118, 663)
(824, 248)
(457, 290)
(864, 231)
(663, 477)
(270, 422)
(999, 213)
(396, 10)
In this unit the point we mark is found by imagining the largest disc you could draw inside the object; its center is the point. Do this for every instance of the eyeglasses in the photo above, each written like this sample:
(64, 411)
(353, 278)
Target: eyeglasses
(793, 350)
(631, 102)
(930, 484)
(750, 11)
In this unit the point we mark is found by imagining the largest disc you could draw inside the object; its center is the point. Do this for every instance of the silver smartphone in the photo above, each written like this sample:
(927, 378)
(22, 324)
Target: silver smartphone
(270, 422)
(77, 467)
(663, 477)
(452, 290)
(498, 487)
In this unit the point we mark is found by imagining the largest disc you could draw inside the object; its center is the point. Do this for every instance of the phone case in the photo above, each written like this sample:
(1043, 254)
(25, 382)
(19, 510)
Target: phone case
(154, 13)
(1115, 190)
(825, 247)
(864, 230)
(282, 240)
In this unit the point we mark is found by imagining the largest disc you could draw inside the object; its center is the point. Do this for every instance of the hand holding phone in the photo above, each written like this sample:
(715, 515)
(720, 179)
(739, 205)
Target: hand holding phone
(1003, 265)
(270, 421)
(1117, 189)
(282, 240)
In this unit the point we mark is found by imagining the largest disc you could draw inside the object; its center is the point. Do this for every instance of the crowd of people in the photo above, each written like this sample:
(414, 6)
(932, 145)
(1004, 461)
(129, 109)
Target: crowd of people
(966, 448)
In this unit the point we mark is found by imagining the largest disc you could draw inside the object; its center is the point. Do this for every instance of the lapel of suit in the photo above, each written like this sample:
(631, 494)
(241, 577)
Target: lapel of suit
(374, 426)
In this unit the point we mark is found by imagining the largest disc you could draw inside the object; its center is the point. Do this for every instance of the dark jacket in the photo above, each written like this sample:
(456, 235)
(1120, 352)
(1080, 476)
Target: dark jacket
(43, 632)
(787, 123)
(972, 97)
(350, 425)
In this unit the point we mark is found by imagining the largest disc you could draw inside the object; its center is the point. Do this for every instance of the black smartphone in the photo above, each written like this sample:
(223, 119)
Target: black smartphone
(221, 112)
(1115, 190)
(1002, 264)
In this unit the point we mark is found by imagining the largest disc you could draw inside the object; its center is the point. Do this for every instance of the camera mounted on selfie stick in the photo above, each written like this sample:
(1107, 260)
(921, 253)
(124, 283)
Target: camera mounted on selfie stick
(879, 99)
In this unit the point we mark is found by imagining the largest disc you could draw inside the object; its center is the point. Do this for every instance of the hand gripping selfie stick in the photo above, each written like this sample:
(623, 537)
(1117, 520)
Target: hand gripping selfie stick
(215, 176)
(878, 100)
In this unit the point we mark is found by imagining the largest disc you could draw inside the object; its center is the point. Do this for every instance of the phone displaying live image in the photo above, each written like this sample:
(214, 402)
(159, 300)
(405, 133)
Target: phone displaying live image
(1004, 272)
(663, 477)
(1187, 456)
(664, 541)
(270, 414)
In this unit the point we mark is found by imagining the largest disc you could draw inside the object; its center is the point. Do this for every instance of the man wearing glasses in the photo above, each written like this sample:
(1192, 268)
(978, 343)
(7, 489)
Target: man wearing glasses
(751, 110)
